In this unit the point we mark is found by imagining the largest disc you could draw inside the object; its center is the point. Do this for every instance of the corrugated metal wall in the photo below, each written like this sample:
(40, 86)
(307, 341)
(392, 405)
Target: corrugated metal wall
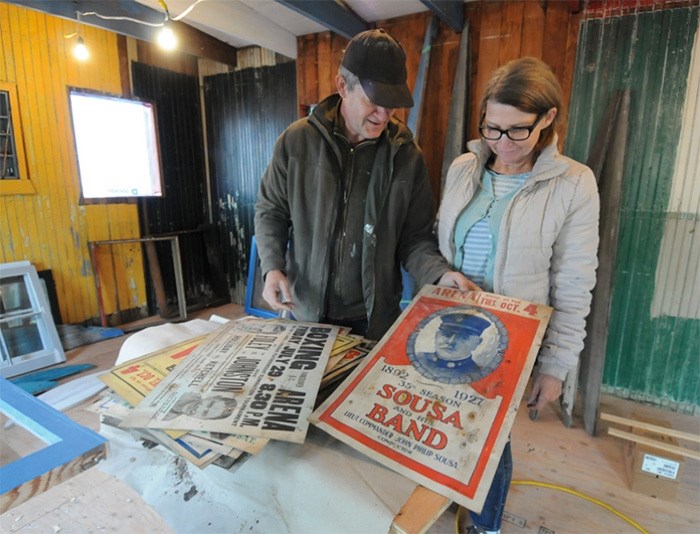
(246, 112)
(50, 228)
(649, 357)
(677, 283)
(183, 209)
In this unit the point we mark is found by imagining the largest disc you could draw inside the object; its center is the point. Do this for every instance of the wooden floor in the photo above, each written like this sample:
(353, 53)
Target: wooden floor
(544, 451)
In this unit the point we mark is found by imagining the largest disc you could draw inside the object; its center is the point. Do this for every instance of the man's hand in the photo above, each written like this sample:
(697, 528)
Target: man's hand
(458, 280)
(276, 286)
(545, 390)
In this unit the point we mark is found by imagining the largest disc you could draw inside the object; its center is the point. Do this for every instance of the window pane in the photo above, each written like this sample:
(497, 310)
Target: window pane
(8, 167)
(14, 296)
(22, 336)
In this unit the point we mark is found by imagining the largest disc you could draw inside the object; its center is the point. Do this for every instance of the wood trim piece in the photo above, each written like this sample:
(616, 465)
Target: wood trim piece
(673, 449)
(607, 159)
(648, 426)
(414, 114)
(419, 512)
(17, 187)
(455, 138)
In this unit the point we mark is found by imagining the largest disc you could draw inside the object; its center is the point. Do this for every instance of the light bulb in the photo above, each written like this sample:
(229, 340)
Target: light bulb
(167, 39)
(80, 51)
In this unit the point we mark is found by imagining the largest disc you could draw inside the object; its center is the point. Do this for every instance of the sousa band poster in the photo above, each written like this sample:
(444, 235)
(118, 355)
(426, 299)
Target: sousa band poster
(437, 396)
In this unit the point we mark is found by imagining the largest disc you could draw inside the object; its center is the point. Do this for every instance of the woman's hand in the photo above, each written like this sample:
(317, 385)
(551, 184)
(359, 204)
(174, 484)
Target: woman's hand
(457, 280)
(545, 390)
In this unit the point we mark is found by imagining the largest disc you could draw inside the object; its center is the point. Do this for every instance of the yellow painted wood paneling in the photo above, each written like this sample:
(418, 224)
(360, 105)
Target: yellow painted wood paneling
(50, 228)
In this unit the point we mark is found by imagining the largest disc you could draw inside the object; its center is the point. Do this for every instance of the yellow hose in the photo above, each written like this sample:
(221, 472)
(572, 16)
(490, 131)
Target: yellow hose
(566, 490)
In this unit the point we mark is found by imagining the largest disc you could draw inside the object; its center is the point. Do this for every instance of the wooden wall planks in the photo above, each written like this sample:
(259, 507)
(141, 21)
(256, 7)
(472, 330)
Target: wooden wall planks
(500, 31)
(51, 228)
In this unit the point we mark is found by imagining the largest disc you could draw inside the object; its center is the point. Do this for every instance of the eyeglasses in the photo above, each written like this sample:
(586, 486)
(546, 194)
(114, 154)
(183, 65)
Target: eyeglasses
(519, 133)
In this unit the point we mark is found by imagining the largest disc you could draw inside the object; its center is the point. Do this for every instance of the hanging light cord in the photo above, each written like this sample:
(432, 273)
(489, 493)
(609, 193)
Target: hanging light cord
(77, 31)
(186, 11)
(109, 17)
(566, 490)
(152, 24)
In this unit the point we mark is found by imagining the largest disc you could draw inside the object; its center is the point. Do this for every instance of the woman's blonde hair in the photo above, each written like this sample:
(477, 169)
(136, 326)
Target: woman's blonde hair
(529, 85)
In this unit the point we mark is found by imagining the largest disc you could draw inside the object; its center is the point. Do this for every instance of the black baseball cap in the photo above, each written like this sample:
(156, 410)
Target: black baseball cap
(379, 61)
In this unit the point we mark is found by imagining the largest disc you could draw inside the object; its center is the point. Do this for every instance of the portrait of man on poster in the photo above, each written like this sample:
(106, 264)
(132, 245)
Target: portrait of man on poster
(210, 407)
(457, 347)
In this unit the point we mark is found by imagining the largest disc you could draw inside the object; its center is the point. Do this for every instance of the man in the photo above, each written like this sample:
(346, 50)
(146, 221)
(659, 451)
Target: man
(346, 201)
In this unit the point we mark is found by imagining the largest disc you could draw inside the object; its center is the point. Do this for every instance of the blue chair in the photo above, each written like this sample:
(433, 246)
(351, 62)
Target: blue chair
(407, 292)
(254, 303)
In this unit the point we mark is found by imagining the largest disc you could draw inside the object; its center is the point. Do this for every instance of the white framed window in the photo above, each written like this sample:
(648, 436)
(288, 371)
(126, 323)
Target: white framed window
(28, 336)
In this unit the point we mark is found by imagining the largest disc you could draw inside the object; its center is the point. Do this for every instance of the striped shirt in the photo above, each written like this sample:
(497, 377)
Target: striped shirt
(476, 235)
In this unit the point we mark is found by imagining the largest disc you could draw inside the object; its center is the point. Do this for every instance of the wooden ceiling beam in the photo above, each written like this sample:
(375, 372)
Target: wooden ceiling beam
(333, 14)
(451, 12)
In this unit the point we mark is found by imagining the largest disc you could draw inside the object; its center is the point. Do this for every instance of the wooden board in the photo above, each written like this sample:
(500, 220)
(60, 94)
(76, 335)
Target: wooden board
(91, 501)
(456, 136)
(649, 426)
(673, 449)
(597, 323)
(414, 114)
(419, 512)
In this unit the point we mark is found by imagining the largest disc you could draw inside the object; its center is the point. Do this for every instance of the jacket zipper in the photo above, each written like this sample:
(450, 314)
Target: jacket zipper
(337, 229)
(500, 251)
(345, 187)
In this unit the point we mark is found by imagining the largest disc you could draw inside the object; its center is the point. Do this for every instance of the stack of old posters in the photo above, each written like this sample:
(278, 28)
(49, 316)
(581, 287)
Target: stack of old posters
(345, 357)
(215, 397)
(436, 397)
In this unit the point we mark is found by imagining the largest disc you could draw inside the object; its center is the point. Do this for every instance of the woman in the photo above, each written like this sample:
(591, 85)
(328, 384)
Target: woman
(521, 220)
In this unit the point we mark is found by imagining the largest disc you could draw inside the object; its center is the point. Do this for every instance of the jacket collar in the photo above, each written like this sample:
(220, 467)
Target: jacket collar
(548, 164)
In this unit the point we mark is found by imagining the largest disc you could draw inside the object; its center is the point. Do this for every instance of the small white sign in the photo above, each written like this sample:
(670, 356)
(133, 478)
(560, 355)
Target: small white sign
(660, 466)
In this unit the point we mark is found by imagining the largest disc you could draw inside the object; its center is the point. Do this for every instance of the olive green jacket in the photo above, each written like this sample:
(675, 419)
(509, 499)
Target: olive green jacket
(297, 208)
